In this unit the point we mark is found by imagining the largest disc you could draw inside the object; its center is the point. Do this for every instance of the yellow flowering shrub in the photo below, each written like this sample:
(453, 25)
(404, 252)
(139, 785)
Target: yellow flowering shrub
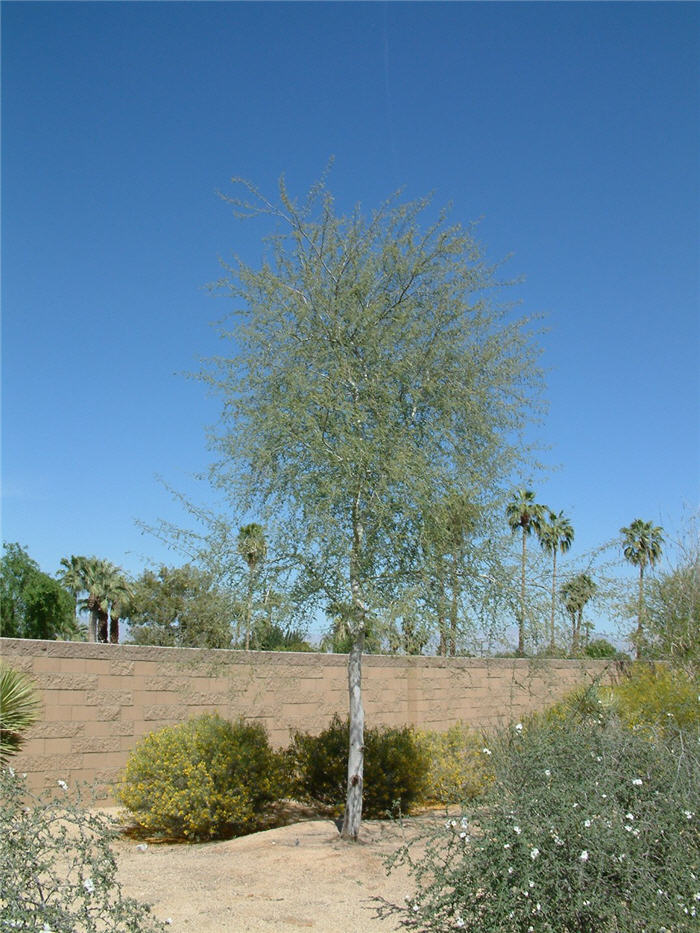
(203, 779)
(459, 767)
(658, 696)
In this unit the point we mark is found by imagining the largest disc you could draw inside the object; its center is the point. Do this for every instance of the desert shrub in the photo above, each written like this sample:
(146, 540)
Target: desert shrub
(602, 648)
(394, 769)
(203, 779)
(458, 770)
(588, 827)
(58, 873)
(657, 696)
(19, 709)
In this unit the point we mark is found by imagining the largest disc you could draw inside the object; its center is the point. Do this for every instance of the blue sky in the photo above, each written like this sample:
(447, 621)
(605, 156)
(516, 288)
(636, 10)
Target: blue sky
(571, 130)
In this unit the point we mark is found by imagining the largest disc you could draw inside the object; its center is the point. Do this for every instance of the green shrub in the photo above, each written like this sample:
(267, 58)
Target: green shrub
(19, 709)
(395, 768)
(202, 779)
(602, 648)
(654, 695)
(588, 827)
(57, 870)
(458, 769)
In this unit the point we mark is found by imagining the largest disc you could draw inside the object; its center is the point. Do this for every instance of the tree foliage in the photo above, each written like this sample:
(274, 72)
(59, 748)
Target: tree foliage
(180, 607)
(641, 544)
(32, 604)
(369, 377)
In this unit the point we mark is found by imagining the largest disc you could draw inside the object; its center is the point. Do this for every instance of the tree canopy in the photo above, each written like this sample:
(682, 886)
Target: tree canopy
(369, 376)
(32, 604)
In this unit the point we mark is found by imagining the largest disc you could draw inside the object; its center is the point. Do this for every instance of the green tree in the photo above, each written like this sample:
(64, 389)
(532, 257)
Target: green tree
(641, 544)
(576, 592)
(32, 604)
(673, 612)
(369, 375)
(253, 549)
(448, 528)
(523, 513)
(179, 607)
(556, 534)
(105, 590)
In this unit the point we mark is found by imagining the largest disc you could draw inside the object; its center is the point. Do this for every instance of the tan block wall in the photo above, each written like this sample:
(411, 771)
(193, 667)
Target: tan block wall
(99, 700)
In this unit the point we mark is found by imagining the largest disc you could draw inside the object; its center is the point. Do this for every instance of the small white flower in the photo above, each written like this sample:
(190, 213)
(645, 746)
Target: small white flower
(517, 830)
(416, 908)
(688, 814)
(510, 871)
(506, 845)
(629, 816)
(463, 835)
(583, 857)
(459, 922)
(531, 884)
(547, 772)
(637, 782)
(12, 772)
(697, 896)
(534, 853)
(89, 885)
(62, 785)
(487, 751)
(518, 727)
(464, 823)
(598, 758)
(586, 823)
(575, 806)
(604, 796)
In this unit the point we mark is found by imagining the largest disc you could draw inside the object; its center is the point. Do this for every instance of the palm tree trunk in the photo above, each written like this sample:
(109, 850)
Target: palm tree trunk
(521, 620)
(92, 624)
(114, 629)
(554, 596)
(249, 611)
(640, 612)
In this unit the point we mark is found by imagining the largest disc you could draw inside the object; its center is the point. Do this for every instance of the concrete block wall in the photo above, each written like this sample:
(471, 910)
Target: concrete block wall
(99, 700)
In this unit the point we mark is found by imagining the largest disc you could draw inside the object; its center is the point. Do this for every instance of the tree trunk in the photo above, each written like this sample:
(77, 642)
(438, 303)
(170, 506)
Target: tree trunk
(640, 612)
(114, 630)
(92, 624)
(356, 750)
(102, 626)
(249, 611)
(454, 606)
(521, 620)
(554, 597)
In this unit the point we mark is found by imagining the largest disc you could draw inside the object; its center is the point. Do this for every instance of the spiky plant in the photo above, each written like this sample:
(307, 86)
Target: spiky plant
(19, 709)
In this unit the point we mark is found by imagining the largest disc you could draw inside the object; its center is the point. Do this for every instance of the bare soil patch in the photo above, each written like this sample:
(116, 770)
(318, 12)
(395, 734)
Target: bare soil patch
(294, 877)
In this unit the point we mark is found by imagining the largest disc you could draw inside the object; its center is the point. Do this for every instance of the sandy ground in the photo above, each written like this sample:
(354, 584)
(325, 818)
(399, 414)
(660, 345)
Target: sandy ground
(295, 877)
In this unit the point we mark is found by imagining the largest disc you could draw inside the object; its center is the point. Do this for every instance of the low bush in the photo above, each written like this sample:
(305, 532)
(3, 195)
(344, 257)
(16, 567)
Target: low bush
(657, 696)
(203, 779)
(588, 827)
(57, 870)
(395, 768)
(457, 768)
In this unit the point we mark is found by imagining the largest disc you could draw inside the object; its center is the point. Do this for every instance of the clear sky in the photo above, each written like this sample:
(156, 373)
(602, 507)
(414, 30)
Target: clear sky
(571, 130)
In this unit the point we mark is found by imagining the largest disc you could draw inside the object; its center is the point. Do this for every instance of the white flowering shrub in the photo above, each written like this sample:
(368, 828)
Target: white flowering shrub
(57, 868)
(587, 828)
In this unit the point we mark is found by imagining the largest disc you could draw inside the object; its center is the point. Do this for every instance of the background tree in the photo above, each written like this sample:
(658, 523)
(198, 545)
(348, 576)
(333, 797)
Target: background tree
(253, 549)
(368, 377)
(556, 534)
(641, 544)
(523, 512)
(99, 586)
(576, 592)
(180, 607)
(32, 604)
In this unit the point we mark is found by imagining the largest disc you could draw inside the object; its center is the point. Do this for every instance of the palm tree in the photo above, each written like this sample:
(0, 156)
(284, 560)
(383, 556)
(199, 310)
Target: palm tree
(556, 534)
(105, 589)
(253, 550)
(524, 513)
(576, 592)
(641, 544)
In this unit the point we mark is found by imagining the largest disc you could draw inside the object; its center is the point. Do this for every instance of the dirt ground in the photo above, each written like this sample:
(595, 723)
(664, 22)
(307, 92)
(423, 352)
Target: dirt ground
(295, 877)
